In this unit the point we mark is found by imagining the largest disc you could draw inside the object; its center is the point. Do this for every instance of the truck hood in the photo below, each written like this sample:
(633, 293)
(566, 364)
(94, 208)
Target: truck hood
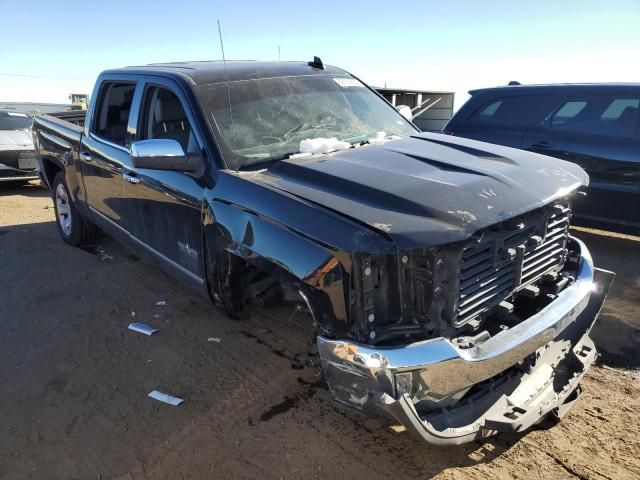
(428, 189)
(16, 140)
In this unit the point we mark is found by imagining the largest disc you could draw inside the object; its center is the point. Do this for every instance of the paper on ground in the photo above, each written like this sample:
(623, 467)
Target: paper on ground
(142, 328)
(165, 397)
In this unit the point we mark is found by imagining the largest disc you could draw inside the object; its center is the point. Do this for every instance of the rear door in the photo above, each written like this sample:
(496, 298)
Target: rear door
(501, 117)
(600, 131)
(105, 149)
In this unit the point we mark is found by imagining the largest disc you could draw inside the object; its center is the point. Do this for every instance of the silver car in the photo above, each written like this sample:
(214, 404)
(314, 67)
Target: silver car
(17, 154)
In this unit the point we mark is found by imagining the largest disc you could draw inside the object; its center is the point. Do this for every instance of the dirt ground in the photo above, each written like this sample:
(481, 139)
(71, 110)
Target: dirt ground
(74, 380)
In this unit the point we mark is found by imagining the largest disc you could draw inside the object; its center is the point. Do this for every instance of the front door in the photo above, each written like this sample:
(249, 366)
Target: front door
(165, 206)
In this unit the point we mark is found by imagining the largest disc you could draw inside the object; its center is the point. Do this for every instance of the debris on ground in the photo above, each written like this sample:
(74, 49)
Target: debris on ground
(161, 303)
(142, 328)
(102, 254)
(214, 340)
(165, 397)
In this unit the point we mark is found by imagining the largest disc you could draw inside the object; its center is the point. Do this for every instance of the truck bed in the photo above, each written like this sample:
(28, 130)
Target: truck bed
(57, 142)
(76, 117)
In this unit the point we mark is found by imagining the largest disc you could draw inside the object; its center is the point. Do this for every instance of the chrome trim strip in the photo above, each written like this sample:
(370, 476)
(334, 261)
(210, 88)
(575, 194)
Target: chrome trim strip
(107, 142)
(151, 250)
(18, 179)
(442, 366)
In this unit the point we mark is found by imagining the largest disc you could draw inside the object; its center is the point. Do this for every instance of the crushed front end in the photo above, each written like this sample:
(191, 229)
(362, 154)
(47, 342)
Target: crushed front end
(463, 341)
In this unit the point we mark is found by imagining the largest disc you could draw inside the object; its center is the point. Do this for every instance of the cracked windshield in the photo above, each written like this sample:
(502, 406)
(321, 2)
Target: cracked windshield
(272, 119)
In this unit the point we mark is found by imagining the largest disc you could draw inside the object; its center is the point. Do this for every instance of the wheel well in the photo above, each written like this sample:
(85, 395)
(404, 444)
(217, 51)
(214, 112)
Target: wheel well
(238, 283)
(51, 169)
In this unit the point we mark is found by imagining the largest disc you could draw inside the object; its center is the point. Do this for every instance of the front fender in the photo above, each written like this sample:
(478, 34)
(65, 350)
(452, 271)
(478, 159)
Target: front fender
(319, 270)
(311, 245)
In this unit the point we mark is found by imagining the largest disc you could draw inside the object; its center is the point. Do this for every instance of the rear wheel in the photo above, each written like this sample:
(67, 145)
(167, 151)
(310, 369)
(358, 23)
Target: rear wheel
(73, 229)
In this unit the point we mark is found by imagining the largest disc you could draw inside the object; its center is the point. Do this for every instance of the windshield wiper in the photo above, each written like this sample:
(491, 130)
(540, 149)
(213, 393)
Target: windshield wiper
(266, 161)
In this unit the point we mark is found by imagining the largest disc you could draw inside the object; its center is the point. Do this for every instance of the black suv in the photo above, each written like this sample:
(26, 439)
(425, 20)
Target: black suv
(595, 126)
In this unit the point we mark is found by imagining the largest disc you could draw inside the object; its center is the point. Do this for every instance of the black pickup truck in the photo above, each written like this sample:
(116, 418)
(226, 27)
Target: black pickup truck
(438, 272)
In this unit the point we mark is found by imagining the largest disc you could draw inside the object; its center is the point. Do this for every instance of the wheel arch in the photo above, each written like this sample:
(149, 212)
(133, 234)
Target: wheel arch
(50, 168)
(317, 272)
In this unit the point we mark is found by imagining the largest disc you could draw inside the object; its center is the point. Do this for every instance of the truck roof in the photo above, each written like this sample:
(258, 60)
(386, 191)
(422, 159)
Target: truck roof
(555, 86)
(206, 72)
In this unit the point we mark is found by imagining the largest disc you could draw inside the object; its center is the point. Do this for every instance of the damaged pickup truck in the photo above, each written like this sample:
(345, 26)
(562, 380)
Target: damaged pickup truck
(440, 275)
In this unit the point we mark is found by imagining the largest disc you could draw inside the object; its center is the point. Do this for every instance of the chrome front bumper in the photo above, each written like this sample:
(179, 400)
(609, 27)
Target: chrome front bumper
(441, 372)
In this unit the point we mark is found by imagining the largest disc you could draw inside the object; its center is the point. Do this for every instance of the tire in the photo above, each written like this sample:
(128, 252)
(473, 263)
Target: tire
(228, 289)
(73, 229)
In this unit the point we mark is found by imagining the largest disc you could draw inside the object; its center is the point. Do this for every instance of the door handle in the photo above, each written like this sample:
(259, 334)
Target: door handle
(541, 144)
(86, 157)
(130, 177)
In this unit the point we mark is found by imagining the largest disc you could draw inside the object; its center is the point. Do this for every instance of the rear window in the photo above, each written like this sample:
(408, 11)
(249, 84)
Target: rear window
(509, 110)
(112, 115)
(618, 106)
(609, 115)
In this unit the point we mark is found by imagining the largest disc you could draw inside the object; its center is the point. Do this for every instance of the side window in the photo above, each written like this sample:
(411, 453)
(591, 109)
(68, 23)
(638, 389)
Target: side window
(609, 115)
(489, 111)
(511, 110)
(112, 115)
(568, 112)
(165, 117)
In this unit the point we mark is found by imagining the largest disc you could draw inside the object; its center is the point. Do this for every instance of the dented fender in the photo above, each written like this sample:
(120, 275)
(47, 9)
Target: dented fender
(311, 246)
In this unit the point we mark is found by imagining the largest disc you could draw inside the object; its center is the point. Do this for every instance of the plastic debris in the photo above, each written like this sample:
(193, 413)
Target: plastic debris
(322, 145)
(214, 340)
(142, 328)
(102, 254)
(379, 138)
(165, 397)
(161, 303)
(133, 313)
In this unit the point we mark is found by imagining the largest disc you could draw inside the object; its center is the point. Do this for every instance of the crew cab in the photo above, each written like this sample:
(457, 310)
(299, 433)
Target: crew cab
(438, 272)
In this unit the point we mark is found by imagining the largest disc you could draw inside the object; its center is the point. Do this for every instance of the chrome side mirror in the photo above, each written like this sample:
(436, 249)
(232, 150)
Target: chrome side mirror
(405, 111)
(162, 154)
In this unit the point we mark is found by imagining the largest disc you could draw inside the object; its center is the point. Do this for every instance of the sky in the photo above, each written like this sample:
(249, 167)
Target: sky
(49, 49)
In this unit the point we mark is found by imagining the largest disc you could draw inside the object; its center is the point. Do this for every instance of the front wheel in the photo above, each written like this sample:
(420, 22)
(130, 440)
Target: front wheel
(74, 229)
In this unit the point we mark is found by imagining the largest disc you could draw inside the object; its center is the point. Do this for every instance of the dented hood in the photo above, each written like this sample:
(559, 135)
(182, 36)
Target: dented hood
(428, 189)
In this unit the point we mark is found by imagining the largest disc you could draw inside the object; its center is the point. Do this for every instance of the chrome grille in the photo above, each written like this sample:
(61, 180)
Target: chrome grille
(507, 258)
(551, 252)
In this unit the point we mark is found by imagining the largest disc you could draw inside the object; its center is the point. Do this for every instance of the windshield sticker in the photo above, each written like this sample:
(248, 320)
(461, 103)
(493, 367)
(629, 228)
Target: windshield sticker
(348, 82)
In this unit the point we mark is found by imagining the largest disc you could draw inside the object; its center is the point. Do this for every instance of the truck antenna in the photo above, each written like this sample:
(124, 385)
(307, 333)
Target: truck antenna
(226, 73)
